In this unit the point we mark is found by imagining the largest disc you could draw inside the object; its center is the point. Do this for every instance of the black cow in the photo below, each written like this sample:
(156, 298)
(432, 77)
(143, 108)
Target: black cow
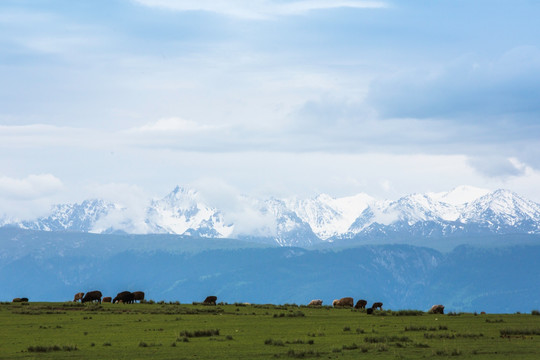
(360, 304)
(210, 300)
(92, 296)
(138, 295)
(436, 309)
(126, 297)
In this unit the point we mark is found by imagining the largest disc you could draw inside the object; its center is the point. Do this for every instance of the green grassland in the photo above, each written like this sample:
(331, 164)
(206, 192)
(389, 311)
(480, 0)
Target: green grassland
(239, 331)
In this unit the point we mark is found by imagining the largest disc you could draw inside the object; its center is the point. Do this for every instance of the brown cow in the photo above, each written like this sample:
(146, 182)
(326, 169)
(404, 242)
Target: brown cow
(107, 299)
(360, 304)
(316, 302)
(92, 296)
(436, 309)
(138, 295)
(344, 302)
(377, 305)
(78, 296)
(210, 300)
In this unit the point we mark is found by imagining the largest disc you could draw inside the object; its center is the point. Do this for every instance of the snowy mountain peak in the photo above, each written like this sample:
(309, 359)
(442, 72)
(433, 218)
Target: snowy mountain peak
(502, 208)
(182, 212)
(181, 196)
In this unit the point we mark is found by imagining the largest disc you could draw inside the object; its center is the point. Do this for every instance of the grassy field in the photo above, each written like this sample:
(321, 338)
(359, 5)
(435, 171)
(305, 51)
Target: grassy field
(180, 331)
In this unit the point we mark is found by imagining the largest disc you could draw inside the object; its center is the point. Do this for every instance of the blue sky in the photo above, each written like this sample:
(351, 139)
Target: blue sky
(124, 99)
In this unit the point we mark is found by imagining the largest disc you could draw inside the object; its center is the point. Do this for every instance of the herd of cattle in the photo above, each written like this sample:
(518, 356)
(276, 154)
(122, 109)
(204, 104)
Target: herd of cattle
(128, 297)
(125, 297)
(349, 302)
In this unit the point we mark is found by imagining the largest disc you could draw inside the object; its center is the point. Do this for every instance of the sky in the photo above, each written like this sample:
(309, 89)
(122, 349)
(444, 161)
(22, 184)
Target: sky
(125, 99)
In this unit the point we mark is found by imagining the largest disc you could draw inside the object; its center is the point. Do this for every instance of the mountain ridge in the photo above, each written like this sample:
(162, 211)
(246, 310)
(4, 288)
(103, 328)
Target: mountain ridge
(308, 222)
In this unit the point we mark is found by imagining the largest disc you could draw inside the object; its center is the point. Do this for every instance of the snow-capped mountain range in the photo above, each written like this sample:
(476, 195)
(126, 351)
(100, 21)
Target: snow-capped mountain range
(302, 222)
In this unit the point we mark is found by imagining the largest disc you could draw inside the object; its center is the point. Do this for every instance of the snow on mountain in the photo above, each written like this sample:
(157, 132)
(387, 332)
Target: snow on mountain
(503, 210)
(460, 195)
(328, 216)
(407, 210)
(305, 222)
(418, 207)
(72, 217)
(291, 230)
(182, 212)
(462, 210)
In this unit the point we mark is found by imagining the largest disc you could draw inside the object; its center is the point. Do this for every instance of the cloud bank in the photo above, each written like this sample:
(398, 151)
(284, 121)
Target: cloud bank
(259, 9)
(30, 187)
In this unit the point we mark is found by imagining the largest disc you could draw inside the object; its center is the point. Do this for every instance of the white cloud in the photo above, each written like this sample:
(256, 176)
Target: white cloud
(259, 9)
(29, 197)
(172, 124)
(29, 188)
(41, 135)
(238, 209)
(497, 166)
(385, 218)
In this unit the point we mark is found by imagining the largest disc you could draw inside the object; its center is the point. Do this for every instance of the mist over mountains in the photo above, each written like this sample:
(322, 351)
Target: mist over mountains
(319, 221)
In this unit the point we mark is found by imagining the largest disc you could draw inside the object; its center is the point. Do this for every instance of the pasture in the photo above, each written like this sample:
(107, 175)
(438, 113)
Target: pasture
(238, 331)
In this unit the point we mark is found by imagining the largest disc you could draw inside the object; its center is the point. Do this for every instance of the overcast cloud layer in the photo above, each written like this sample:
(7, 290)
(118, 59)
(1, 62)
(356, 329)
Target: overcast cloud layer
(127, 98)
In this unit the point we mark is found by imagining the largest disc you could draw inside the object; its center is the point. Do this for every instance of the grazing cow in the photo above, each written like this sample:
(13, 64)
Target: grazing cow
(369, 311)
(78, 296)
(344, 302)
(377, 305)
(210, 300)
(17, 300)
(436, 309)
(107, 299)
(315, 303)
(360, 304)
(138, 295)
(125, 296)
(92, 296)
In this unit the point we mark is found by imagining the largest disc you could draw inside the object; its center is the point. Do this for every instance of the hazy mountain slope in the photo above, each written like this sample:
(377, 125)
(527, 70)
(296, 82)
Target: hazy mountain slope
(505, 279)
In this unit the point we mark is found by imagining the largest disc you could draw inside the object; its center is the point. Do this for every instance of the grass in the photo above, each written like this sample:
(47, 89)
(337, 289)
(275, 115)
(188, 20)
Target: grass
(241, 331)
